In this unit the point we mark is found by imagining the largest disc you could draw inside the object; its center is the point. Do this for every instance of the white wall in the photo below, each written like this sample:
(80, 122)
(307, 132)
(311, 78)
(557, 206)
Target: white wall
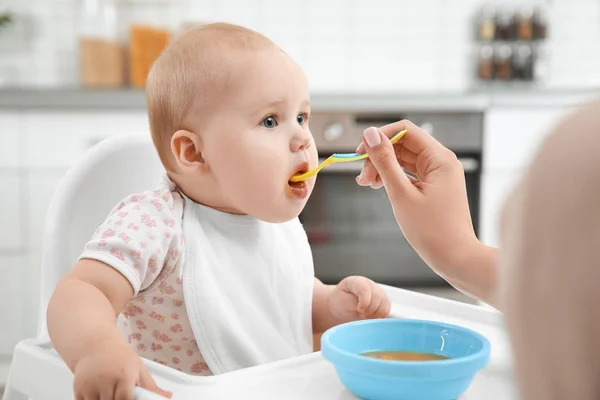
(408, 45)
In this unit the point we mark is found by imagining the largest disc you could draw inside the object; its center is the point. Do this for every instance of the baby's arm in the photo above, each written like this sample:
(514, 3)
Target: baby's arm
(83, 310)
(354, 298)
(127, 254)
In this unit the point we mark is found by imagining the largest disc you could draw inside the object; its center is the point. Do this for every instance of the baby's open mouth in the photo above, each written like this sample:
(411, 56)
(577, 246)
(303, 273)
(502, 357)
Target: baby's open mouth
(298, 189)
(301, 169)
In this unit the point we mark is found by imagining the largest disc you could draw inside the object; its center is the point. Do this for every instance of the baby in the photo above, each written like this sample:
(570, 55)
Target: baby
(212, 271)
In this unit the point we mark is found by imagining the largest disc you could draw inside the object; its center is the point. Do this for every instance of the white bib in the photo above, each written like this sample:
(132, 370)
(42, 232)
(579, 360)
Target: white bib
(247, 286)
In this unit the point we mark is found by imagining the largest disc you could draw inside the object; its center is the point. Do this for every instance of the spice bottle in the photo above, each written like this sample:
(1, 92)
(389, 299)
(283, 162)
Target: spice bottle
(487, 24)
(485, 70)
(505, 25)
(524, 23)
(523, 63)
(502, 63)
(540, 24)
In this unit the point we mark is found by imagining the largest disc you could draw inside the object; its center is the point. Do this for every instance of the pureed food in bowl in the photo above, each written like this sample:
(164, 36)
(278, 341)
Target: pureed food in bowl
(404, 356)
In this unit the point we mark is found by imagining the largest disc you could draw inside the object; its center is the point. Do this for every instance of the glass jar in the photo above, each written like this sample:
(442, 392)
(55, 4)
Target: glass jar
(148, 27)
(523, 63)
(502, 63)
(102, 56)
(524, 23)
(540, 24)
(485, 70)
(487, 24)
(505, 25)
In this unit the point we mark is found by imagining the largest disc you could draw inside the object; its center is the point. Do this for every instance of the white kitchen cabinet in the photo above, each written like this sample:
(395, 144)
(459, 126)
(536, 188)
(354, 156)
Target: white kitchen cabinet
(9, 139)
(513, 134)
(58, 139)
(11, 211)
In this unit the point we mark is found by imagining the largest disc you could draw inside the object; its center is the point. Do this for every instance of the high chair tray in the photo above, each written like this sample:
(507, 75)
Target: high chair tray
(307, 377)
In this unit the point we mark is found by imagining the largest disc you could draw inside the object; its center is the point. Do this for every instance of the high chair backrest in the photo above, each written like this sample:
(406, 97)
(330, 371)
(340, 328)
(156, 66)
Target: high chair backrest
(111, 170)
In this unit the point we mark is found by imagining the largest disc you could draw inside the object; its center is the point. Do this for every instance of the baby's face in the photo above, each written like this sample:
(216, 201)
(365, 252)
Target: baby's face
(259, 137)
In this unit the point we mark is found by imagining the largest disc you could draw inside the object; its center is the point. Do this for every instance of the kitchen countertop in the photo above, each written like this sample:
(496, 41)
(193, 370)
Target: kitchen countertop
(77, 98)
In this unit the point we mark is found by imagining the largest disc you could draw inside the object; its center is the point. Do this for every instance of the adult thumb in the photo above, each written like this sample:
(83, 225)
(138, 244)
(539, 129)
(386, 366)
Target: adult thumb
(383, 157)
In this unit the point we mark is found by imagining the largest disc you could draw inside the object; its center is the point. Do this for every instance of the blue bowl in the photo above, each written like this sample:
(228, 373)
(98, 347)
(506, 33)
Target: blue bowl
(376, 379)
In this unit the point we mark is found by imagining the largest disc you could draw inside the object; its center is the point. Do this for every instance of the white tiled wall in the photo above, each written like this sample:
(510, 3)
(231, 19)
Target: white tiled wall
(358, 45)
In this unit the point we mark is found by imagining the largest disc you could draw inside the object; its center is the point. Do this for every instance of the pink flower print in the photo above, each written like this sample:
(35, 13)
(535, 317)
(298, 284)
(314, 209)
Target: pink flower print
(108, 233)
(137, 265)
(176, 328)
(119, 222)
(132, 310)
(133, 227)
(148, 221)
(167, 196)
(157, 316)
(137, 207)
(121, 205)
(135, 254)
(161, 337)
(174, 254)
(193, 342)
(175, 316)
(102, 243)
(199, 367)
(169, 222)
(177, 303)
(156, 347)
(176, 360)
(156, 360)
(164, 289)
(158, 204)
(152, 264)
(135, 337)
(150, 236)
(140, 324)
(176, 347)
(124, 238)
(143, 245)
(141, 347)
(117, 253)
(157, 300)
(122, 214)
(179, 280)
(167, 236)
(189, 353)
(137, 197)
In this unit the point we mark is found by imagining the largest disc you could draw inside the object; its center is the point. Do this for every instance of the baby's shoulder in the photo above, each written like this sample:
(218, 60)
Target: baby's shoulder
(159, 208)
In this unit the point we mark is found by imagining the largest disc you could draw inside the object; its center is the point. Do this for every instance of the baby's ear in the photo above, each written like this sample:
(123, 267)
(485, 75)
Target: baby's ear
(186, 147)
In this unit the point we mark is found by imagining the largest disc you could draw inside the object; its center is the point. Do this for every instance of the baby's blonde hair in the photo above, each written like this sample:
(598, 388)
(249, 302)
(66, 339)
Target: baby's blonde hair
(190, 76)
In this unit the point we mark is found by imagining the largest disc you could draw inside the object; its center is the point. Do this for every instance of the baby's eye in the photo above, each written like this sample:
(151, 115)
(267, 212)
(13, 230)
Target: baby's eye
(269, 122)
(301, 118)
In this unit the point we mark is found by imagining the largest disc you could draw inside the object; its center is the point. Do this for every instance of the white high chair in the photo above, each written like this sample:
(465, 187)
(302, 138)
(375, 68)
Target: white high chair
(111, 170)
(122, 165)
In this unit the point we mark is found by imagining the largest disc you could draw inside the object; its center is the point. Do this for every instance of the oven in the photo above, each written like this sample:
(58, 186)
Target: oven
(352, 229)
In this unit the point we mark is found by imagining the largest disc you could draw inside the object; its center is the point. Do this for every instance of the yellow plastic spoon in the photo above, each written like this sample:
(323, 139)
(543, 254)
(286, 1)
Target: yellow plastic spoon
(339, 157)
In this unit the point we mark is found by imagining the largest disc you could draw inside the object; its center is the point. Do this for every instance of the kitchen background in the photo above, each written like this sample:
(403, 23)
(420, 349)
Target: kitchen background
(479, 75)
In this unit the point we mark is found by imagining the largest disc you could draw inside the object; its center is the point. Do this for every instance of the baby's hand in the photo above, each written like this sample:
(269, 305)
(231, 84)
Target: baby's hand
(357, 297)
(112, 371)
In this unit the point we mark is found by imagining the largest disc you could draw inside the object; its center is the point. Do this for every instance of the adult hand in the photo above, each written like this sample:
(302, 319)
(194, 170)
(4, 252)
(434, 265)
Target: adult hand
(431, 210)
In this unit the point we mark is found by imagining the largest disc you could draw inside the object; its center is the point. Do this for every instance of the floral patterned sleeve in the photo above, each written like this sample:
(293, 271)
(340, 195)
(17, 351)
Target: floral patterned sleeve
(141, 238)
